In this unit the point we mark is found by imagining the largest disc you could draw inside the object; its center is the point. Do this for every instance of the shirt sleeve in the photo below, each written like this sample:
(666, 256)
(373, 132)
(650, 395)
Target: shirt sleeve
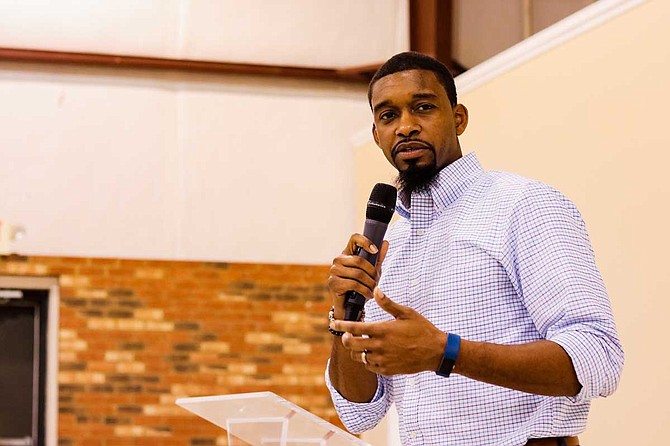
(549, 259)
(361, 417)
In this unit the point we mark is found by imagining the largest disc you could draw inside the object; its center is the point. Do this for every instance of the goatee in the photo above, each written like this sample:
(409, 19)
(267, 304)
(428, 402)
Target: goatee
(416, 179)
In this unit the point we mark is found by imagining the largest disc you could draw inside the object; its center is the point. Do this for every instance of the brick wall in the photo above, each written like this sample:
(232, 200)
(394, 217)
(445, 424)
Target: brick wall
(135, 335)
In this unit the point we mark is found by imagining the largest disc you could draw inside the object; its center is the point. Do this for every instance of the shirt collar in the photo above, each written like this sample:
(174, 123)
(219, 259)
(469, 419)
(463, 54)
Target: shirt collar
(448, 185)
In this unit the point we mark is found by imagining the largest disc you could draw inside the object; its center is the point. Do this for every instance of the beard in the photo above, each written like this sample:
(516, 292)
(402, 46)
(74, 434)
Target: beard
(416, 179)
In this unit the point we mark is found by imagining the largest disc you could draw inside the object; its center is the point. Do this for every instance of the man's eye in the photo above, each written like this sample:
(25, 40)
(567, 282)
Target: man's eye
(386, 116)
(424, 107)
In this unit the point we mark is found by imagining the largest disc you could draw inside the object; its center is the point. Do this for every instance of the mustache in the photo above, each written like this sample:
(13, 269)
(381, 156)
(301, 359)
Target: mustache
(407, 143)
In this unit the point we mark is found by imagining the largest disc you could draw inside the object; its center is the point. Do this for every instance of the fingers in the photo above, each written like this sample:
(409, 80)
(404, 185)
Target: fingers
(357, 241)
(370, 359)
(360, 348)
(350, 272)
(355, 268)
(408, 344)
(358, 281)
(396, 310)
(364, 356)
(375, 329)
(357, 334)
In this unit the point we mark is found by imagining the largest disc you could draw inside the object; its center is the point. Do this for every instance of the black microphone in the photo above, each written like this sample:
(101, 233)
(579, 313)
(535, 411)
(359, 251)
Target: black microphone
(378, 213)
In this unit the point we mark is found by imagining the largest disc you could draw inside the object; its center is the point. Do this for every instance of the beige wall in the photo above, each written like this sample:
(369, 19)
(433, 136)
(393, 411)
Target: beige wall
(484, 28)
(590, 118)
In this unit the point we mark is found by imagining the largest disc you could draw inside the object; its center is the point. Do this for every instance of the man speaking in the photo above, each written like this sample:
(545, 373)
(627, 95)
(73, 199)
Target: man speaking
(487, 321)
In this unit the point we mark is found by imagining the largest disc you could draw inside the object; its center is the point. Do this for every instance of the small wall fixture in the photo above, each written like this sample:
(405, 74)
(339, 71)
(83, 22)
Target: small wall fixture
(9, 234)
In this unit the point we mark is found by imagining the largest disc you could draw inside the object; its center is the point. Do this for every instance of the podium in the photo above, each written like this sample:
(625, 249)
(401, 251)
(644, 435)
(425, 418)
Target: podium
(266, 419)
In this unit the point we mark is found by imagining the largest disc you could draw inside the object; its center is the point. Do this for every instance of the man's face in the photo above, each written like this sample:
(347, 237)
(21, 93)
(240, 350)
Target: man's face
(414, 123)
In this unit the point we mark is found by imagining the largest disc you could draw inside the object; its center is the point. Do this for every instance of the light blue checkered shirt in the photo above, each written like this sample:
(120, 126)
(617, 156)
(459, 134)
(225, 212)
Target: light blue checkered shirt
(499, 258)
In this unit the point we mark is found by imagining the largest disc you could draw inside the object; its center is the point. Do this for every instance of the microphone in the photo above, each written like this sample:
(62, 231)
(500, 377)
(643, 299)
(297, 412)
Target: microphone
(378, 213)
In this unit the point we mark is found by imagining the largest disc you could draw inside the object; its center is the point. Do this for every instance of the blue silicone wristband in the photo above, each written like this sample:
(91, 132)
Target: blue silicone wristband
(451, 350)
(453, 346)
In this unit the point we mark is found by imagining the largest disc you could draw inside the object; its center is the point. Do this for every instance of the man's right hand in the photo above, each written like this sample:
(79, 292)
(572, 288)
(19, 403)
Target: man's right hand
(350, 272)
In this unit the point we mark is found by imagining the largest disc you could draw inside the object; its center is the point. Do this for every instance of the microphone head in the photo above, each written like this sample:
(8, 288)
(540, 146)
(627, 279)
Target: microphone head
(381, 204)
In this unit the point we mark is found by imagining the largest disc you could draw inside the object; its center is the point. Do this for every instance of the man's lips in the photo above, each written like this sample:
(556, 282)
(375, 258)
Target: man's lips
(410, 149)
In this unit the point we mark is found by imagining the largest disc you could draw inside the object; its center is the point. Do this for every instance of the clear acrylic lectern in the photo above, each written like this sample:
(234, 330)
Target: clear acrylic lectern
(265, 419)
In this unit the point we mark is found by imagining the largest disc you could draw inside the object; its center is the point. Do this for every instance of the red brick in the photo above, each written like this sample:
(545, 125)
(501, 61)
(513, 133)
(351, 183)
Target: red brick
(194, 294)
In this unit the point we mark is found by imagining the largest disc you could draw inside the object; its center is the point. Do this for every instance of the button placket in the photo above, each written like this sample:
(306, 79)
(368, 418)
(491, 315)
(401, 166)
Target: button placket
(421, 216)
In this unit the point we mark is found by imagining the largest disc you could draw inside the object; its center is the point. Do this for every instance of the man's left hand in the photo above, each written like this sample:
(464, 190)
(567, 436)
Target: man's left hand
(408, 344)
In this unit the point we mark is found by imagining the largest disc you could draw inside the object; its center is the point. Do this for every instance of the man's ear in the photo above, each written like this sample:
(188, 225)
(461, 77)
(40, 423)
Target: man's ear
(374, 134)
(460, 118)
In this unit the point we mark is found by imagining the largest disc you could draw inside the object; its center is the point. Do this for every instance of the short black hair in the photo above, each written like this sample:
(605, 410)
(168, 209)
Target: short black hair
(411, 60)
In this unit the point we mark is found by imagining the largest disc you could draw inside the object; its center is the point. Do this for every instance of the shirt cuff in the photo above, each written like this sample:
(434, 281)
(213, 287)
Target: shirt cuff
(359, 417)
(597, 364)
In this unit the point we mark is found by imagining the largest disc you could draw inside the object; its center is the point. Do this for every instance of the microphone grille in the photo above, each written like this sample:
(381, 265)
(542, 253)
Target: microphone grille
(381, 204)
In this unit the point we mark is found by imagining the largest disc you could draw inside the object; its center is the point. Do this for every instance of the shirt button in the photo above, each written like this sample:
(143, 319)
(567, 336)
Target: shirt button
(412, 434)
(420, 232)
(414, 282)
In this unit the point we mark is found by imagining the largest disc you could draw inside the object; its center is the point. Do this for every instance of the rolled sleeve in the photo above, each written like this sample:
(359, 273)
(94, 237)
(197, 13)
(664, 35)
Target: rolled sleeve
(361, 417)
(597, 359)
(552, 266)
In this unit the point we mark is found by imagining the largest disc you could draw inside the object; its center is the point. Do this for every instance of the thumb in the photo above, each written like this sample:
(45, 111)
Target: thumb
(396, 310)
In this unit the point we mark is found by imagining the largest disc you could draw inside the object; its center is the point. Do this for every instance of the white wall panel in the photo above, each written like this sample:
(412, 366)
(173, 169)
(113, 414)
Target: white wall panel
(85, 167)
(99, 162)
(267, 176)
(184, 168)
(131, 27)
(296, 32)
(313, 33)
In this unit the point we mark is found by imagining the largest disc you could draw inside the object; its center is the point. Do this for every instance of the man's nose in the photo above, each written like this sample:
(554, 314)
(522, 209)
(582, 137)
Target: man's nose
(407, 126)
